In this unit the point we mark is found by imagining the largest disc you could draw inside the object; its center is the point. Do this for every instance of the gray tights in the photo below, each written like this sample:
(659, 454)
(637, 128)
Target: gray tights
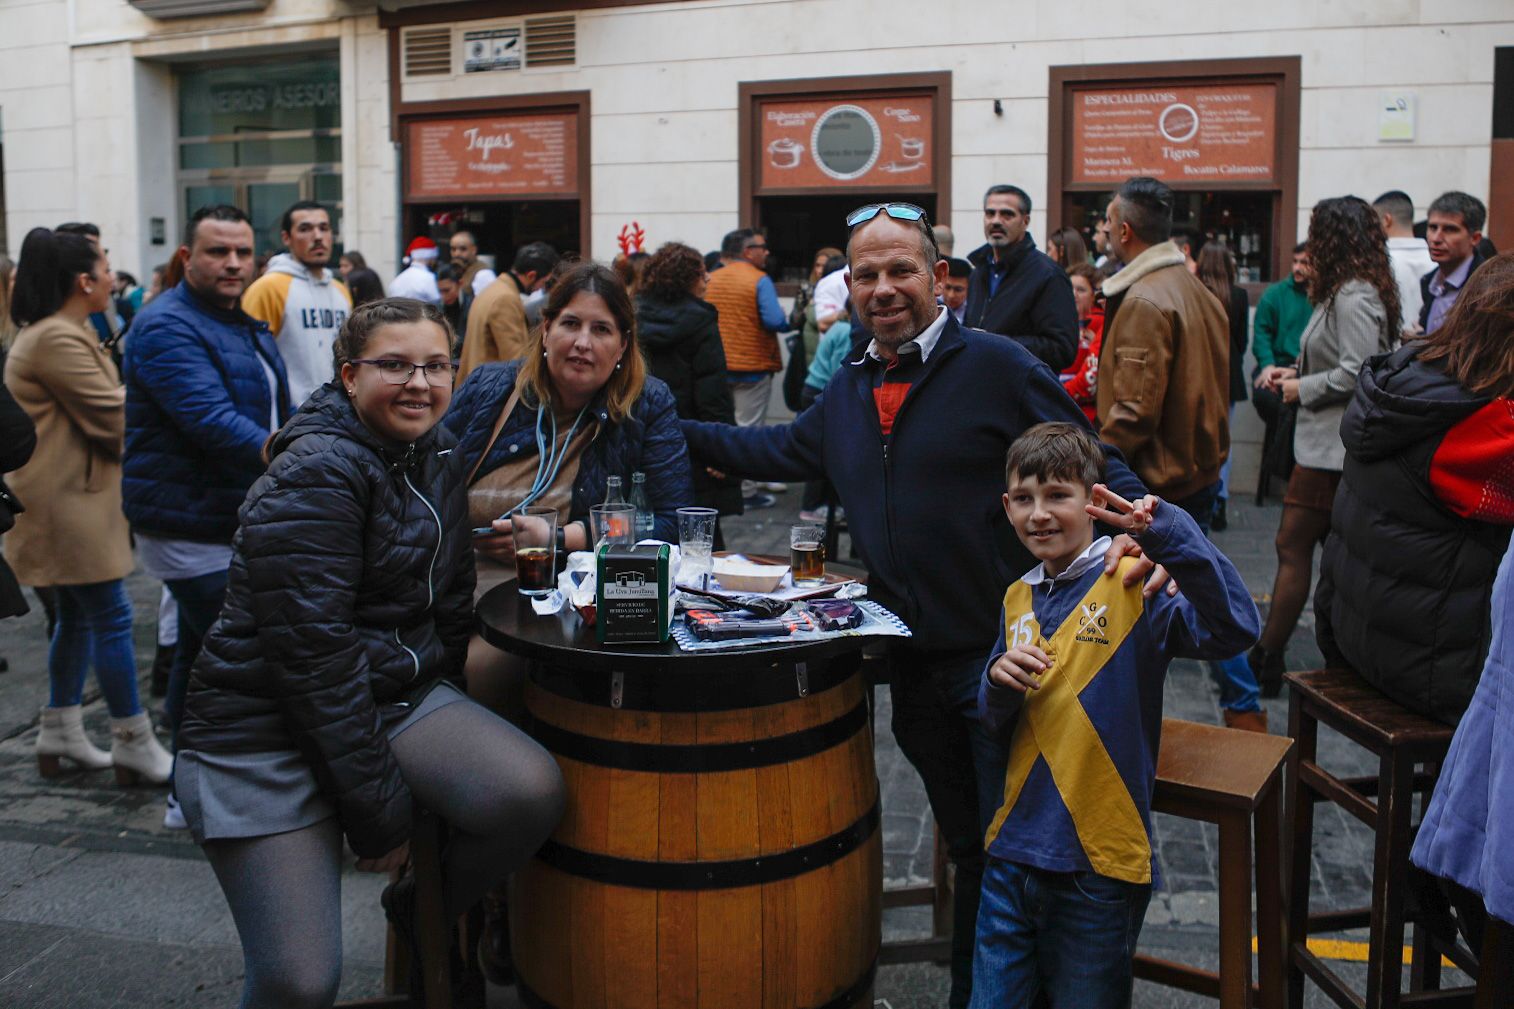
(499, 791)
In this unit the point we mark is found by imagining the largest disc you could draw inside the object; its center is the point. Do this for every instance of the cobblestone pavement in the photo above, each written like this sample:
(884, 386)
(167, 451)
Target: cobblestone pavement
(100, 907)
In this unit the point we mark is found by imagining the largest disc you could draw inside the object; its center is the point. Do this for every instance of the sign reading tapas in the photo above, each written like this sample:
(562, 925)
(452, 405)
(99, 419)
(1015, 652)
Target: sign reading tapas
(492, 156)
(858, 142)
(1216, 133)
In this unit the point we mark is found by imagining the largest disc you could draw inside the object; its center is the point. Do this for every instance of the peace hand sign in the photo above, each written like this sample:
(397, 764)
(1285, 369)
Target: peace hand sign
(1111, 509)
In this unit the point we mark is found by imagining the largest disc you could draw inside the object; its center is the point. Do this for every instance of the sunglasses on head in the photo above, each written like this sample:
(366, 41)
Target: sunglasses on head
(898, 211)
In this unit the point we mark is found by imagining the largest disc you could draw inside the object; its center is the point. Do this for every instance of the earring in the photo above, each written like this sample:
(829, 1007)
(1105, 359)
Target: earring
(89, 290)
(617, 365)
(544, 353)
(351, 393)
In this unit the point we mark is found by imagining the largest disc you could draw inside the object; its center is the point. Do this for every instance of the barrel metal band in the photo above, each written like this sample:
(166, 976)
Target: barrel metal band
(707, 691)
(645, 875)
(846, 1000)
(699, 758)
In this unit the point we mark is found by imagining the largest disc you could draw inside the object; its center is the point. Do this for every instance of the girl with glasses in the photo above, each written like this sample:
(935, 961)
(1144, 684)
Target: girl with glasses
(323, 704)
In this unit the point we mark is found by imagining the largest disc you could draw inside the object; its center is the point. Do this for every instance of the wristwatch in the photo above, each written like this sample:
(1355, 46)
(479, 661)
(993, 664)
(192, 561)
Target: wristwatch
(562, 541)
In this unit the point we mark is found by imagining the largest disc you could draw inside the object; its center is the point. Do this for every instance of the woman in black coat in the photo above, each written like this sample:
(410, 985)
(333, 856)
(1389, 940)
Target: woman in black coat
(680, 333)
(18, 437)
(1216, 270)
(321, 705)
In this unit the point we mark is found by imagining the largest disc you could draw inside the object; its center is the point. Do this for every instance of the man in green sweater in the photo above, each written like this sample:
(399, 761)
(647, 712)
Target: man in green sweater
(1281, 315)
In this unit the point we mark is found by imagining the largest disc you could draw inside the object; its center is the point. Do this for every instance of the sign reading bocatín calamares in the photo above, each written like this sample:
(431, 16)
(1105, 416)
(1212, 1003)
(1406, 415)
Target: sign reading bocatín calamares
(526, 155)
(845, 142)
(1216, 133)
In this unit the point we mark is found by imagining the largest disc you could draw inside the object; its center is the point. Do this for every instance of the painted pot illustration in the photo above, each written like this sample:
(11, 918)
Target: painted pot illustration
(911, 148)
(785, 153)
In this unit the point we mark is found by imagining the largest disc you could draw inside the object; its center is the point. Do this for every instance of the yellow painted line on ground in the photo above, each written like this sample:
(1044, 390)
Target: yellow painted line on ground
(1352, 952)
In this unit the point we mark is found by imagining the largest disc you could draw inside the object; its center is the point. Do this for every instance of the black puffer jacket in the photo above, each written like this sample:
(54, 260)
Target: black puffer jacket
(682, 343)
(1405, 583)
(351, 589)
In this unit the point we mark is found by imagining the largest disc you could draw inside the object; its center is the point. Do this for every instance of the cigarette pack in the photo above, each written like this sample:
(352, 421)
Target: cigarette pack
(633, 592)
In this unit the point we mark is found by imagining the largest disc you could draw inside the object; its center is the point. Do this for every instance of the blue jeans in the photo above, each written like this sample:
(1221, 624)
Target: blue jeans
(93, 627)
(199, 602)
(962, 765)
(1239, 690)
(1071, 934)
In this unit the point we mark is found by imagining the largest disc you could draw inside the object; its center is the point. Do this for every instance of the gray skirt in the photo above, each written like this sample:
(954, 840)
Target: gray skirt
(228, 795)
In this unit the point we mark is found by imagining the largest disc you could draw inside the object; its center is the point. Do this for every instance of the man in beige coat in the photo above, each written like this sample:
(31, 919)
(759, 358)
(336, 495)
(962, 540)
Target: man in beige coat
(497, 329)
(1164, 384)
(1164, 367)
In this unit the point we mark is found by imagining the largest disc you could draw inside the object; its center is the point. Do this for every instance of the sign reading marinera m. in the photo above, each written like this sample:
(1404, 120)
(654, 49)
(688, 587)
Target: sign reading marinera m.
(527, 155)
(845, 142)
(1219, 133)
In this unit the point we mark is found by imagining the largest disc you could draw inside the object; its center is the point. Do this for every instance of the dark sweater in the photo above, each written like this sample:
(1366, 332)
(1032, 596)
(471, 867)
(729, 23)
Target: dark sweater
(1032, 303)
(924, 505)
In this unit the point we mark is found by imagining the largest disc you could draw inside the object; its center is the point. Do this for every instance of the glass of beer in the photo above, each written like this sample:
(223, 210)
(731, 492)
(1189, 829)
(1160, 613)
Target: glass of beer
(807, 555)
(612, 523)
(535, 532)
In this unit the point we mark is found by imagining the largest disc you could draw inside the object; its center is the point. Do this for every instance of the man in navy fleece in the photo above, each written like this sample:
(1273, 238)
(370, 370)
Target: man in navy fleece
(913, 433)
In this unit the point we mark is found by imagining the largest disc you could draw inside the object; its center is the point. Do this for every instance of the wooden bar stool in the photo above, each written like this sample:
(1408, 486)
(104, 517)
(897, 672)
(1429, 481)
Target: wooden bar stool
(433, 931)
(1402, 741)
(1230, 778)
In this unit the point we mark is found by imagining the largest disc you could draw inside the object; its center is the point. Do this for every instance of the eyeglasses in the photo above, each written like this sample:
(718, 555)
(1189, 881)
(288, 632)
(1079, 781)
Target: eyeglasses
(898, 211)
(397, 372)
(758, 245)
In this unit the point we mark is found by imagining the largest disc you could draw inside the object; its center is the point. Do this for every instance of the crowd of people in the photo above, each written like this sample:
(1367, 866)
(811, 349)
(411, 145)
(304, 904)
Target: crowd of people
(324, 475)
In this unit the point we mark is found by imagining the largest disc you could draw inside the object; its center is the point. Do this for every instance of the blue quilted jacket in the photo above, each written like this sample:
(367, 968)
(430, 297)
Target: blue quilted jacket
(197, 415)
(648, 440)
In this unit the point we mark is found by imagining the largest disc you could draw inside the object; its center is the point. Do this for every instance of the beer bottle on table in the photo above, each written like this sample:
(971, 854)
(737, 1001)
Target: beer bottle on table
(646, 519)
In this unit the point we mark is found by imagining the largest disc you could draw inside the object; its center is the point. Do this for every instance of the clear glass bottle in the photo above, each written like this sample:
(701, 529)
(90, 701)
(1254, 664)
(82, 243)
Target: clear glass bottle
(646, 519)
(615, 491)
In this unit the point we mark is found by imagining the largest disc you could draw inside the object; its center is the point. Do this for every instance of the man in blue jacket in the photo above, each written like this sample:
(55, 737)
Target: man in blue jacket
(205, 386)
(913, 433)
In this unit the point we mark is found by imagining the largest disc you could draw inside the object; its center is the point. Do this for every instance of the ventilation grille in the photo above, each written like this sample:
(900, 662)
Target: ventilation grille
(428, 52)
(551, 42)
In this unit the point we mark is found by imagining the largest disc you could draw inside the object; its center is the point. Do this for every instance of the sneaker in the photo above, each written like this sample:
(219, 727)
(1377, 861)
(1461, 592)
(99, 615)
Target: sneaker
(776, 488)
(173, 816)
(759, 500)
(817, 515)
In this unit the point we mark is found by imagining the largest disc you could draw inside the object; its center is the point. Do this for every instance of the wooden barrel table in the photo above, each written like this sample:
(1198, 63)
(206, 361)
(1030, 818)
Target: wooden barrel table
(721, 847)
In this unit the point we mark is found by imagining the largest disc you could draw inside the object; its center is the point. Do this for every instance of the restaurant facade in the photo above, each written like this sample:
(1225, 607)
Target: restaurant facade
(536, 119)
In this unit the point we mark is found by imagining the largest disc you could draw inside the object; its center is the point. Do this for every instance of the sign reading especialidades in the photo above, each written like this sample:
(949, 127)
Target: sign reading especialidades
(1220, 133)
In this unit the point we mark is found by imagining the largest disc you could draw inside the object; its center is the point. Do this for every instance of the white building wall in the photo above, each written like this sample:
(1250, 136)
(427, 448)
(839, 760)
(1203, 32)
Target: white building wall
(664, 79)
(37, 114)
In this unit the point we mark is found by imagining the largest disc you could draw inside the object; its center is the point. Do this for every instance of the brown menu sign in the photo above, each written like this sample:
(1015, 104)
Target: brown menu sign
(1217, 133)
(844, 142)
(492, 156)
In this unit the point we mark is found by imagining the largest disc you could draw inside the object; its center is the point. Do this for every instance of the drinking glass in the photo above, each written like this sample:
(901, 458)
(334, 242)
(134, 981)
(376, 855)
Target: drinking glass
(612, 523)
(696, 542)
(807, 555)
(535, 532)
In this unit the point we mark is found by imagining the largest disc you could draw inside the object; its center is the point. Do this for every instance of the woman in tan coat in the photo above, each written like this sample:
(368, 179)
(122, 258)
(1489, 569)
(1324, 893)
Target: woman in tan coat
(73, 536)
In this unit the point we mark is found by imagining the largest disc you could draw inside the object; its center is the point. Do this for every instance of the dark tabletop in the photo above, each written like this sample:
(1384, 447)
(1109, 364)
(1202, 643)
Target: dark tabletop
(506, 621)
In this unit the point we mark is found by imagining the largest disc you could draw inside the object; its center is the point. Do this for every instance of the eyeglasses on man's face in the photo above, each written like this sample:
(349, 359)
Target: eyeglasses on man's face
(398, 372)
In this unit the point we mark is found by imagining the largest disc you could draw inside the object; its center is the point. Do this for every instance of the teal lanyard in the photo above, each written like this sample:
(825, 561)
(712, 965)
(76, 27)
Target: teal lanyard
(549, 457)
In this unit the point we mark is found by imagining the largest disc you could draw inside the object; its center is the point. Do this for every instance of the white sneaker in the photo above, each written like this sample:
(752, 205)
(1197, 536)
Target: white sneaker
(776, 488)
(173, 816)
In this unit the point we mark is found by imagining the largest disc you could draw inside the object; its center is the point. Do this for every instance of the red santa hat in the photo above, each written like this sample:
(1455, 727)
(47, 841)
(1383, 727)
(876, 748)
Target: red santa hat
(421, 250)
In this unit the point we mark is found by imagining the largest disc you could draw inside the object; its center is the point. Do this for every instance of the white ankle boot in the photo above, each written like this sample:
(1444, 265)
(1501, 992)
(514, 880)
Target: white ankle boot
(62, 736)
(137, 753)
